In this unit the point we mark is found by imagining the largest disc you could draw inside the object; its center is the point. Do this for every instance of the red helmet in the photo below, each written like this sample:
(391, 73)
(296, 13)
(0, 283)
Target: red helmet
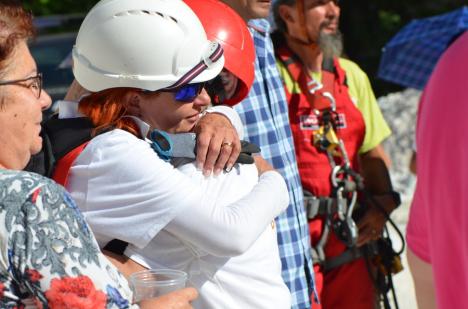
(224, 25)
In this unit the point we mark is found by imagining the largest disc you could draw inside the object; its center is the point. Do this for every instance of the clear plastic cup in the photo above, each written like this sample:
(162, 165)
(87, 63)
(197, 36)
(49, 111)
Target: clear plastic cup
(152, 283)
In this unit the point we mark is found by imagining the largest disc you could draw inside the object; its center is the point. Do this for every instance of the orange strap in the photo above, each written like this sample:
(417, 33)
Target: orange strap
(64, 164)
(299, 73)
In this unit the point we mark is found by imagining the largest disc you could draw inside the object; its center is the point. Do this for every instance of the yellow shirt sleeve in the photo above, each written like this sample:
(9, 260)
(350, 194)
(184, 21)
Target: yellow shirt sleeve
(362, 95)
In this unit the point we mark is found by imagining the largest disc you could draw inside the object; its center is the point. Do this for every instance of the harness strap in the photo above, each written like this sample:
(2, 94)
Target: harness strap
(312, 89)
(319, 206)
(62, 169)
(116, 246)
(348, 256)
(370, 250)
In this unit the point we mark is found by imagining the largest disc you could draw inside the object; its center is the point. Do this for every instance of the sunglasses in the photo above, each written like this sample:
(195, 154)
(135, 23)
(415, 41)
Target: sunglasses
(186, 93)
(189, 92)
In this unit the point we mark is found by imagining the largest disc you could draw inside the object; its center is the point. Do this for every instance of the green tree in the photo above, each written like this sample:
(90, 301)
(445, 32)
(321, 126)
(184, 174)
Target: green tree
(54, 7)
(368, 25)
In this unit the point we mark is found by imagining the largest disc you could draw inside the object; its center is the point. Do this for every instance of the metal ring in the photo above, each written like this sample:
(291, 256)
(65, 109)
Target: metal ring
(228, 144)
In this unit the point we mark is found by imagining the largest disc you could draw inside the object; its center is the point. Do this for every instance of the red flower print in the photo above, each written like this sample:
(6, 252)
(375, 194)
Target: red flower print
(33, 275)
(38, 304)
(35, 195)
(76, 293)
(2, 288)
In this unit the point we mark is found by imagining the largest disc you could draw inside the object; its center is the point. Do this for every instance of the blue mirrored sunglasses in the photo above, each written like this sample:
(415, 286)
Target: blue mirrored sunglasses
(189, 92)
(186, 93)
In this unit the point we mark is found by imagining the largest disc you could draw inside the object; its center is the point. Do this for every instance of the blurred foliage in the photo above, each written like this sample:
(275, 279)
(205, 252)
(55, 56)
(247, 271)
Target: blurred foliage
(366, 24)
(54, 7)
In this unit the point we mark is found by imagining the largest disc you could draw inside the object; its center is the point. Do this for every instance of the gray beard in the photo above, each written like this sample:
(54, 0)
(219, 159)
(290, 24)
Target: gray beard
(331, 44)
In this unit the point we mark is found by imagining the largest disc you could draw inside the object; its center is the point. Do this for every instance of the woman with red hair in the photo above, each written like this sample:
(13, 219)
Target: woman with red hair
(143, 84)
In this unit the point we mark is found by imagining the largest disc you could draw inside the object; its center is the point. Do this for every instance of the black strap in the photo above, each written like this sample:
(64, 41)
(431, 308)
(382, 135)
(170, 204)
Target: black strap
(116, 246)
(67, 134)
(319, 206)
(369, 250)
(59, 137)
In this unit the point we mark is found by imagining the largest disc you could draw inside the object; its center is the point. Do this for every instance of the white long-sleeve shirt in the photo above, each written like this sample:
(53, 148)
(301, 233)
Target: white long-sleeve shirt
(171, 220)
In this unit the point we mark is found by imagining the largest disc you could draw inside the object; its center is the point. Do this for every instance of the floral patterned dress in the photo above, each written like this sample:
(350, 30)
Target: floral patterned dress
(48, 255)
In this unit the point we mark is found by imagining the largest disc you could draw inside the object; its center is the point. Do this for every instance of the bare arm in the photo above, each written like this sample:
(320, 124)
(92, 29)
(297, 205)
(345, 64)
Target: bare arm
(378, 184)
(179, 299)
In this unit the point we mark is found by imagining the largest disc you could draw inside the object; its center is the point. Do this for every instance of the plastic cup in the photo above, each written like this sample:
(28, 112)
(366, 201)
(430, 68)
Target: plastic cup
(152, 283)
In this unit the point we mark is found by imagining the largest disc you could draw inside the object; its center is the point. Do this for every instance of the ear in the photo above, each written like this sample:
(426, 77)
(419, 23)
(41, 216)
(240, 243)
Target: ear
(286, 13)
(134, 103)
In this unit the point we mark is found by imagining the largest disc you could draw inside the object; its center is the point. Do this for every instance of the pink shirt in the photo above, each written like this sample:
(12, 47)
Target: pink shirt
(438, 226)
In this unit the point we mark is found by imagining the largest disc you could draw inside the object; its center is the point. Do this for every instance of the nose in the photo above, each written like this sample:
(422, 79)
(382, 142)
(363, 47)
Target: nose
(333, 8)
(202, 100)
(44, 100)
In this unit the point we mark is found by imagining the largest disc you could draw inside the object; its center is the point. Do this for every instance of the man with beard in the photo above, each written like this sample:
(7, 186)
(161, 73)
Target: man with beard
(264, 114)
(337, 128)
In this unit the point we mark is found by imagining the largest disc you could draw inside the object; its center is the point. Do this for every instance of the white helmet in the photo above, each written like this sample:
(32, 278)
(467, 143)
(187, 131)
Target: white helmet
(147, 44)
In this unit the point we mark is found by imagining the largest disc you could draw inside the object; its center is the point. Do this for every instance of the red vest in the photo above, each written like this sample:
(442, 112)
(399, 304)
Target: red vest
(314, 165)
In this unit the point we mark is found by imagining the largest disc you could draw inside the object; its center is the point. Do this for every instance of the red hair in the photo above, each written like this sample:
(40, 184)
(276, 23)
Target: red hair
(106, 110)
(15, 25)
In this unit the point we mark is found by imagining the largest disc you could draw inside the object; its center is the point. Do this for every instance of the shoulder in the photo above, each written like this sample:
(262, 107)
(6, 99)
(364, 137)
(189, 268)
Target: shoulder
(119, 155)
(29, 195)
(116, 138)
(21, 185)
(31, 188)
(351, 68)
(115, 146)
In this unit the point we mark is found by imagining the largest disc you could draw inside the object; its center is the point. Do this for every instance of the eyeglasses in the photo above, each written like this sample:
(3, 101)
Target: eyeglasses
(34, 83)
(186, 93)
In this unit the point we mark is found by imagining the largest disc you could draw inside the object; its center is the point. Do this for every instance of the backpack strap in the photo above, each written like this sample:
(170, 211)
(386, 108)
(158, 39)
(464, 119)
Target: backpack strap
(62, 168)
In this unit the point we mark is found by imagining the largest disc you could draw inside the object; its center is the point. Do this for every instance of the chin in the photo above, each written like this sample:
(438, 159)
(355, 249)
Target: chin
(262, 10)
(261, 13)
(184, 128)
(36, 146)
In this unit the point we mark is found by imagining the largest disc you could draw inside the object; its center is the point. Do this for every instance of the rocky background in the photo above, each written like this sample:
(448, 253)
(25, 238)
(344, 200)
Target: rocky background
(400, 110)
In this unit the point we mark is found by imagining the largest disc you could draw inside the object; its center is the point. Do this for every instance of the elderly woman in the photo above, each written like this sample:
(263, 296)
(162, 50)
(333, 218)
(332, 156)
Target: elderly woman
(218, 229)
(49, 257)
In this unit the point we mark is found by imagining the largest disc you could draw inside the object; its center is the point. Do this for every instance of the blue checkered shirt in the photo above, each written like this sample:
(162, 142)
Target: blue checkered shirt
(264, 114)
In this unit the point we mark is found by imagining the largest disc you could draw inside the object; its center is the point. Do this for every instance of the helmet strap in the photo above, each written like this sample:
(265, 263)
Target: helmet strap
(215, 52)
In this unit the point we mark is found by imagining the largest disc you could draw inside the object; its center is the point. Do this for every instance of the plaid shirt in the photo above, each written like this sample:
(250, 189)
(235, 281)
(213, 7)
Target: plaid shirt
(264, 114)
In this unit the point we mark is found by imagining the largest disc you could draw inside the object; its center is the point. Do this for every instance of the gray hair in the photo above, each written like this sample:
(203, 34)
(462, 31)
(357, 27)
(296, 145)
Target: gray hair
(331, 44)
(280, 24)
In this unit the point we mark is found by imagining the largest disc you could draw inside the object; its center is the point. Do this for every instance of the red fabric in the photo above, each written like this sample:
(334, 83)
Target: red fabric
(347, 286)
(63, 165)
(350, 285)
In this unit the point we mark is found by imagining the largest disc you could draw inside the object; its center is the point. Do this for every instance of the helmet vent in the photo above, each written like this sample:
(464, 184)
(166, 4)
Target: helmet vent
(144, 12)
